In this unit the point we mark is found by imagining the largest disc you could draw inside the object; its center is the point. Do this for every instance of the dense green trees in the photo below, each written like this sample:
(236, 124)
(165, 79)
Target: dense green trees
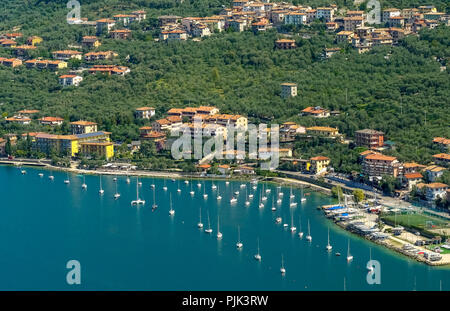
(399, 90)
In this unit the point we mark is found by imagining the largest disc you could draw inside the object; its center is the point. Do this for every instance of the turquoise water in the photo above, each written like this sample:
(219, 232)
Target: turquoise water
(44, 224)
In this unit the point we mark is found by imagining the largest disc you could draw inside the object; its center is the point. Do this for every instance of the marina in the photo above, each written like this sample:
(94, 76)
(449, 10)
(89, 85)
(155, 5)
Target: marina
(57, 222)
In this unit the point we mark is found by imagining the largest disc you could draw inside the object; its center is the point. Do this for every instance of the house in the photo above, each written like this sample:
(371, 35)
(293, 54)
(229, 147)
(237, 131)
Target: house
(203, 168)
(66, 55)
(325, 13)
(352, 23)
(285, 44)
(295, 18)
(442, 159)
(224, 169)
(377, 165)
(13, 36)
(328, 52)
(90, 42)
(125, 19)
(244, 170)
(70, 80)
(121, 34)
(6, 43)
(200, 30)
(147, 133)
(409, 180)
(139, 15)
(389, 13)
(109, 69)
(412, 167)
(33, 40)
(52, 121)
(48, 143)
(28, 112)
(168, 124)
(344, 36)
(100, 149)
(173, 35)
(288, 90)
(435, 190)
(322, 131)
(168, 19)
(369, 138)
(433, 172)
(104, 25)
(318, 165)
(94, 56)
(238, 24)
(18, 120)
(289, 131)
(236, 121)
(332, 26)
(10, 62)
(261, 25)
(317, 112)
(83, 127)
(144, 112)
(24, 50)
(46, 64)
(443, 143)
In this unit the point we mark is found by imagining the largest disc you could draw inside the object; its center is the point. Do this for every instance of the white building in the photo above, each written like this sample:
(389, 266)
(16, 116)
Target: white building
(69, 80)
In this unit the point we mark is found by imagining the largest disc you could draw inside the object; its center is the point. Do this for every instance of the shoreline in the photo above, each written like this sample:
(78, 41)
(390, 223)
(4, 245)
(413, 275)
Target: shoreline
(180, 175)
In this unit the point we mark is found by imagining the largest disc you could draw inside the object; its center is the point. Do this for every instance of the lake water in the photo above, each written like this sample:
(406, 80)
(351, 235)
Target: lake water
(44, 224)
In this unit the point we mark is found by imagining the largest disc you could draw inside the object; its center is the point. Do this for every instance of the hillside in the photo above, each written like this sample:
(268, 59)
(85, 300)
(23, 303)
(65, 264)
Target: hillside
(389, 89)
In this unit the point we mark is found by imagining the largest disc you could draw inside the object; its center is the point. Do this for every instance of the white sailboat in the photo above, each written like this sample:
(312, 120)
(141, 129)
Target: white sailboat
(233, 200)
(128, 180)
(291, 195)
(192, 191)
(293, 228)
(243, 185)
(165, 187)
(114, 179)
(51, 177)
(41, 175)
(300, 233)
(261, 204)
(67, 180)
(227, 183)
(186, 182)
(208, 230)
(302, 198)
(273, 205)
(138, 201)
(178, 189)
(213, 187)
(349, 256)
(171, 211)
(219, 234)
(152, 185)
(101, 191)
(117, 194)
(84, 186)
(247, 202)
(309, 237)
(282, 269)
(154, 206)
(329, 247)
(239, 243)
(219, 197)
(199, 185)
(258, 255)
(278, 220)
(200, 224)
(205, 195)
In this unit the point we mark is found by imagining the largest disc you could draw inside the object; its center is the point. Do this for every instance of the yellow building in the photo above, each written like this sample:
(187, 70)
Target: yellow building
(33, 40)
(323, 131)
(318, 165)
(101, 149)
(48, 143)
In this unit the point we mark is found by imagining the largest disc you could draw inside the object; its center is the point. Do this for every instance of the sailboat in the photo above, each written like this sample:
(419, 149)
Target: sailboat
(293, 228)
(329, 247)
(291, 196)
(138, 201)
(273, 205)
(51, 177)
(117, 194)
(171, 211)
(199, 185)
(128, 180)
(239, 243)
(186, 182)
(282, 269)
(84, 186)
(349, 257)
(41, 175)
(278, 220)
(67, 180)
(101, 191)
(300, 233)
(154, 206)
(261, 204)
(247, 202)
(219, 197)
(192, 191)
(114, 179)
(165, 187)
(208, 230)
(152, 185)
(302, 198)
(213, 187)
(243, 185)
(309, 237)
(179, 190)
(292, 204)
(219, 234)
(233, 199)
(200, 224)
(227, 183)
(279, 198)
(205, 195)
(258, 255)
